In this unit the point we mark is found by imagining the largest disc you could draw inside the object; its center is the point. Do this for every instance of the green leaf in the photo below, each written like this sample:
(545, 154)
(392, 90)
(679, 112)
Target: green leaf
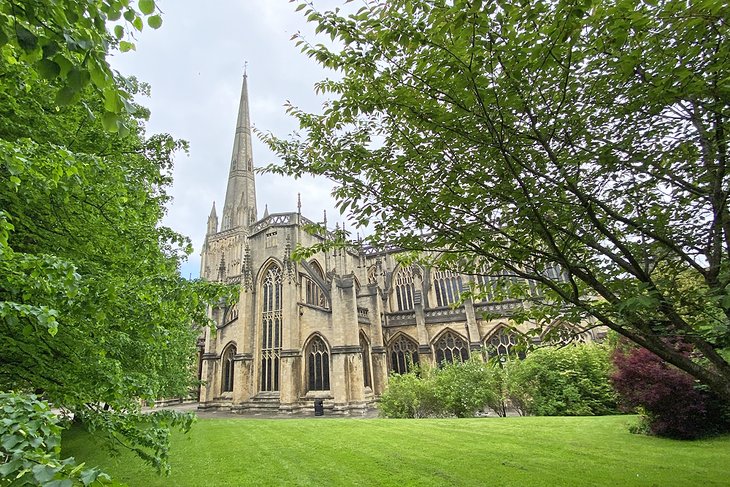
(125, 46)
(114, 14)
(118, 31)
(146, 6)
(26, 39)
(109, 121)
(77, 79)
(155, 21)
(64, 96)
(44, 473)
(138, 24)
(48, 69)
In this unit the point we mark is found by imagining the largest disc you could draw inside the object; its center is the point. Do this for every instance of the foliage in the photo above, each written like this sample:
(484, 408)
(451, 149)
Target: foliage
(94, 316)
(68, 41)
(411, 395)
(459, 389)
(580, 146)
(529, 451)
(670, 401)
(563, 381)
(465, 388)
(30, 446)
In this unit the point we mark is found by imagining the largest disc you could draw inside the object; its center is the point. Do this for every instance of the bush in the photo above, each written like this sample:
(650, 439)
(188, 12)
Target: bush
(411, 395)
(562, 381)
(464, 388)
(456, 389)
(670, 401)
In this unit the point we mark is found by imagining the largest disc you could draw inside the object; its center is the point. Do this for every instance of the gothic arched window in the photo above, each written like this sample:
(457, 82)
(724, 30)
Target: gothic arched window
(502, 344)
(365, 348)
(447, 286)
(451, 347)
(227, 366)
(313, 294)
(404, 289)
(271, 329)
(372, 274)
(318, 365)
(403, 353)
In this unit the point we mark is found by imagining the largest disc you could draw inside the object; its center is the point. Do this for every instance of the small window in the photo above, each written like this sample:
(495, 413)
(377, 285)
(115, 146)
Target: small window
(366, 376)
(502, 344)
(404, 289)
(318, 365)
(403, 353)
(228, 368)
(447, 286)
(313, 294)
(451, 348)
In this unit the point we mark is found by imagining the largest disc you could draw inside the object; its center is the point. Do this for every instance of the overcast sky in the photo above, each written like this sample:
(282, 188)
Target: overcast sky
(194, 64)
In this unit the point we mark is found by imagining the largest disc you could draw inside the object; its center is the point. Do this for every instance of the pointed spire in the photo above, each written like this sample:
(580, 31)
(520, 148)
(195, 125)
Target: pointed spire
(299, 203)
(212, 221)
(266, 210)
(241, 183)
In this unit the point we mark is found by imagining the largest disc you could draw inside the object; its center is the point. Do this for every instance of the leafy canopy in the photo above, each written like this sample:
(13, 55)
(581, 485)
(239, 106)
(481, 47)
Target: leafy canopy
(94, 316)
(514, 139)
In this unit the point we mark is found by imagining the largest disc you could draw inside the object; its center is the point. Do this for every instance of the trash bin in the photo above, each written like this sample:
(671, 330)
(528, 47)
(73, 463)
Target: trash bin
(318, 407)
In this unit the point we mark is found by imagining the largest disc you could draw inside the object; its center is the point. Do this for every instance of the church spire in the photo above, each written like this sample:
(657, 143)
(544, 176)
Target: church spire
(240, 203)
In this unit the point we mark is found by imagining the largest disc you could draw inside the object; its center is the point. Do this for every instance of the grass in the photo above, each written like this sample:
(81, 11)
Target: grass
(490, 451)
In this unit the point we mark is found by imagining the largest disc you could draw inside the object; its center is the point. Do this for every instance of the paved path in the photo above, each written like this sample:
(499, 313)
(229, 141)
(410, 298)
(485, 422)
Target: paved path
(218, 414)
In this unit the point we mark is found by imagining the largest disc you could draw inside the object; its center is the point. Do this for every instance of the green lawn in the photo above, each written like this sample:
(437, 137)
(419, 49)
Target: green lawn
(489, 451)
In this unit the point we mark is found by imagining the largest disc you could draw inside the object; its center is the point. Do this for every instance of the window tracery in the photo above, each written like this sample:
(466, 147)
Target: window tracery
(447, 287)
(502, 343)
(404, 288)
(313, 294)
(271, 329)
(403, 353)
(450, 348)
(318, 365)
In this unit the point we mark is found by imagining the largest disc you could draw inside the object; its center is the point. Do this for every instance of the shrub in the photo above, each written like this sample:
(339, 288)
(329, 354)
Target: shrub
(456, 389)
(670, 401)
(562, 381)
(411, 395)
(463, 388)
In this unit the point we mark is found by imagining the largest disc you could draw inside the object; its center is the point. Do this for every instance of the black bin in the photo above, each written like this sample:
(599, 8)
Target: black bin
(318, 407)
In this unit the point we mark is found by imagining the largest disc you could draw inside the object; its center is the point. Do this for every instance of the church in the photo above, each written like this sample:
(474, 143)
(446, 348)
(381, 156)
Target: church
(331, 328)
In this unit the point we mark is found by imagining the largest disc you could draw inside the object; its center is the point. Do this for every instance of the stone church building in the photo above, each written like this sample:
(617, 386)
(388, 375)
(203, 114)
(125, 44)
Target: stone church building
(332, 327)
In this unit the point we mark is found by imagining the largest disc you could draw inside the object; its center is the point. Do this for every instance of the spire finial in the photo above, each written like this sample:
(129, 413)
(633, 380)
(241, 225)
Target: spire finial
(299, 203)
(245, 68)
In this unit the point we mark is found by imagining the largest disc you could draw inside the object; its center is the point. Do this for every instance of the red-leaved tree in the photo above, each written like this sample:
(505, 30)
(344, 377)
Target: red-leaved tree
(674, 403)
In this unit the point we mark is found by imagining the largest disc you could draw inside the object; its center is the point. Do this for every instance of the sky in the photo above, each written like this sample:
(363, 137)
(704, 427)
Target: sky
(194, 64)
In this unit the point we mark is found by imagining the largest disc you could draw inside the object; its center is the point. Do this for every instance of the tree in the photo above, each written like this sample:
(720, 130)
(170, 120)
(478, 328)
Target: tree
(68, 41)
(668, 399)
(579, 145)
(94, 317)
